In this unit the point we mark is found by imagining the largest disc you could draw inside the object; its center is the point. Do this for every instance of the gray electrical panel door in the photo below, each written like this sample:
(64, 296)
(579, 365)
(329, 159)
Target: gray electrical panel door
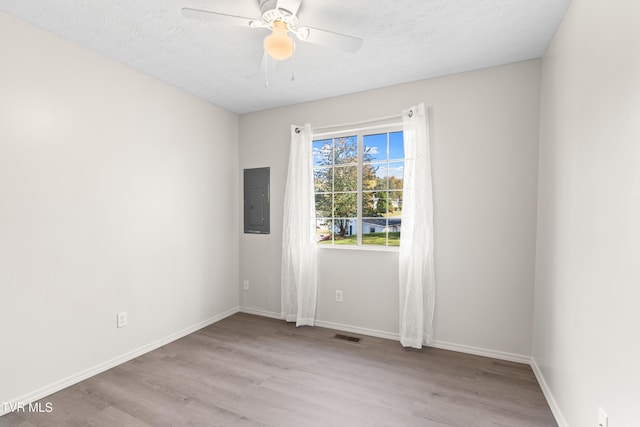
(256, 200)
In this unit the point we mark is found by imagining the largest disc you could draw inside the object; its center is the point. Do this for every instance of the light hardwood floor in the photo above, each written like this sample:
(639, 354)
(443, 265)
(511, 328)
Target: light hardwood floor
(252, 371)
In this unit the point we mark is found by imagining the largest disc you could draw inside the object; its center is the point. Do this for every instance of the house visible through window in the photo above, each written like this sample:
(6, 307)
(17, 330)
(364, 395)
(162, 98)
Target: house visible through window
(358, 181)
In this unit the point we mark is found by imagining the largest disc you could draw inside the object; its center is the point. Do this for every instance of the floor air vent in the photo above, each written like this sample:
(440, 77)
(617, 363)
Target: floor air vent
(347, 338)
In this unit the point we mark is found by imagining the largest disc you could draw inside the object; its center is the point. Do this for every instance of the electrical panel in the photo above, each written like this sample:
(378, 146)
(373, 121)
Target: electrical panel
(256, 200)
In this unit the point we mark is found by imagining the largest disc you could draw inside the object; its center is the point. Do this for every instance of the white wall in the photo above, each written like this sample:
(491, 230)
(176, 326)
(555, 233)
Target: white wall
(587, 321)
(117, 193)
(484, 128)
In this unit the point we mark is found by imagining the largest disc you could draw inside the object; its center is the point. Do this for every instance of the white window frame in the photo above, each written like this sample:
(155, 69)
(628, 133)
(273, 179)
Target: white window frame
(359, 133)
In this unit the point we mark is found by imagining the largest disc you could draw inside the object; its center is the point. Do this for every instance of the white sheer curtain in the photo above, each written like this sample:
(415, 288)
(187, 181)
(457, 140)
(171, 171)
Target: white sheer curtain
(299, 281)
(416, 270)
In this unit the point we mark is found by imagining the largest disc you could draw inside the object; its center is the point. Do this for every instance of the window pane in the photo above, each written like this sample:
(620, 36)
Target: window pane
(345, 231)
(322, 152)
(346, 149)
(323, 230)
(374, 204)
(323, 205)
(345, 205)
(369, 179)
(345, 178)
(381, 176)
(374, 231)
(323, 178)
(396, 175)
(383, 205)
(396, 145)
(395, 203)
(375, 147)
(394, 226)
(368, 204)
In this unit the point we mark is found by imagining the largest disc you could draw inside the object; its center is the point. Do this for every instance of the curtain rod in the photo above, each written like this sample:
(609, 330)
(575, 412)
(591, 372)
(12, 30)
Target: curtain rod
(347, 129)
(362, 122)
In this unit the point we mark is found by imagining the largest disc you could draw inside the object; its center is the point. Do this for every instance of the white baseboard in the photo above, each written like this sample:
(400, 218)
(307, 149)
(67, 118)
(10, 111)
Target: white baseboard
(80, 376)
(323, 324)
(555, 409)
(479, 351)
(329, 325)
(260, 312)
(511, 357)
(358, 330)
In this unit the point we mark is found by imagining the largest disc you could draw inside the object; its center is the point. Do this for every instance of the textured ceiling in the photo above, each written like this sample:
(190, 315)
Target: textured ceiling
(404, 40)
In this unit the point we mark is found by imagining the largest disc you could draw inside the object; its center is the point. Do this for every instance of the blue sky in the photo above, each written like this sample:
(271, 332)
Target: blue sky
(377, 146)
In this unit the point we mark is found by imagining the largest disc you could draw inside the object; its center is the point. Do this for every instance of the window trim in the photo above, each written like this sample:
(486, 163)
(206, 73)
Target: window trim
(359, 133)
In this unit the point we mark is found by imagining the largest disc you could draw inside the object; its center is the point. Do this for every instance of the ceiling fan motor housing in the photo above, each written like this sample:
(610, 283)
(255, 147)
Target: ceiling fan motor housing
(276, 10)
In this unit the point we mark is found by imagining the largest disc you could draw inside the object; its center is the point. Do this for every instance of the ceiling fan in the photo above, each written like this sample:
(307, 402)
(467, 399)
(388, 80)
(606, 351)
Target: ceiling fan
(280, 16)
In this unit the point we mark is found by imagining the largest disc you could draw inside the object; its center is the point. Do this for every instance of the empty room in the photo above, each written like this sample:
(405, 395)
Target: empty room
(320, 213)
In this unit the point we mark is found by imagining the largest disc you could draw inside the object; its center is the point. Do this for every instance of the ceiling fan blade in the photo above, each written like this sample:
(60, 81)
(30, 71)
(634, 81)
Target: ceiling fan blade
(290, 6)
(329, 39)
(207, 15)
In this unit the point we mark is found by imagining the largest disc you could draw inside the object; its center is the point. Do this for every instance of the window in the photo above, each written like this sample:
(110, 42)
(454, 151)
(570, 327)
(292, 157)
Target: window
(358, 181)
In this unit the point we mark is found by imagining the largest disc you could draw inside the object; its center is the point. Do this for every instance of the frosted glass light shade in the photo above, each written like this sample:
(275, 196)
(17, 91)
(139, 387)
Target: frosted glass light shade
(279, 45)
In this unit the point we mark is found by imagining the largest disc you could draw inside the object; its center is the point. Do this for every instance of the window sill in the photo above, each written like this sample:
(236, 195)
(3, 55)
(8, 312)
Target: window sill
(360, 248)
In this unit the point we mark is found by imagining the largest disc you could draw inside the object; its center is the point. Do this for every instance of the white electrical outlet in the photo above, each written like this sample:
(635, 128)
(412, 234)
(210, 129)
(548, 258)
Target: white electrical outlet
(246, 285)
(338, 296)
(603, 419)
(122, 319)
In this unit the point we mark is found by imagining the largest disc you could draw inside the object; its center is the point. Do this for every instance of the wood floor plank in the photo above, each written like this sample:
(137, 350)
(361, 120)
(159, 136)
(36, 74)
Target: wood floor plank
(250, 371)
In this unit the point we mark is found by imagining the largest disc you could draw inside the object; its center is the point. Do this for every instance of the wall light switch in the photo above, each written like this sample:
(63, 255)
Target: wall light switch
(338, 296)
(245, 285)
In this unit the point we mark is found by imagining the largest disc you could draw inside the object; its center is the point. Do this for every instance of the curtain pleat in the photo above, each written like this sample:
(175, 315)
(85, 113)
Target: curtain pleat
(299, 279)
(416, 269)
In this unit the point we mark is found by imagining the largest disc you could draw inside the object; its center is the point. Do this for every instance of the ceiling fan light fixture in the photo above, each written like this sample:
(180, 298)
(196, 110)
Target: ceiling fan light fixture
(279, 45)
